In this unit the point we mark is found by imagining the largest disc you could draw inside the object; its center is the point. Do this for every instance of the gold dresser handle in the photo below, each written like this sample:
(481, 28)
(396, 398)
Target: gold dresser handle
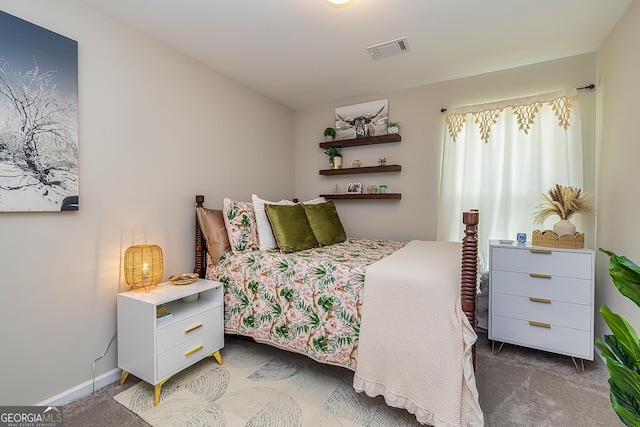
(534, 299)
(190, 352)
(540, 251)
(193, 328)
(542, 325)
(540, 276)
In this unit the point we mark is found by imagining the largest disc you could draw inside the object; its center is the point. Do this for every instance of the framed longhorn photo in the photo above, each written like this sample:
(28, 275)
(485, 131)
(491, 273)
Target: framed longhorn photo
(362, 120)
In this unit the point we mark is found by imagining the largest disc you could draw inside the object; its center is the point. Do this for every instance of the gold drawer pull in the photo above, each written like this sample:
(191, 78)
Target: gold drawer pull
(193, 328)
(190, 352)
(534, 299)
(540, 251)
(540, 276)
(542, 325)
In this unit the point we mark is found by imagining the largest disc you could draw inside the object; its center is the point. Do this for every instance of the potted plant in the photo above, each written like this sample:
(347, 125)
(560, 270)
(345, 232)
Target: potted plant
(563, 202)
(329, 134)
(393, 127)
(622, 349)
(335, 157)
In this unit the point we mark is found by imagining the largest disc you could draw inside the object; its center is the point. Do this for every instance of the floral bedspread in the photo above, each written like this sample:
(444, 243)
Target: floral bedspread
(308, 301)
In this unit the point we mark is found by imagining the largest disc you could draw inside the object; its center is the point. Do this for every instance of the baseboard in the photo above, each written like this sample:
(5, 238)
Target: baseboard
(82, 390)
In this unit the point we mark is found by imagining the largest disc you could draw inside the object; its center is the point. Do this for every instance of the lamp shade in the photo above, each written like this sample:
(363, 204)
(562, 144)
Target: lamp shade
(143, 265)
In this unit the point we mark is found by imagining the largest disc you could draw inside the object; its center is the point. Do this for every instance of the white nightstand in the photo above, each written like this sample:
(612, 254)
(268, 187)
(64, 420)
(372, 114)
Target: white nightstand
(542, 298)
(153, 349)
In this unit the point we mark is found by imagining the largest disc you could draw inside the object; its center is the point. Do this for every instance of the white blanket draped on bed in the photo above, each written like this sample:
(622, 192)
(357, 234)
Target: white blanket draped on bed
(415, 340)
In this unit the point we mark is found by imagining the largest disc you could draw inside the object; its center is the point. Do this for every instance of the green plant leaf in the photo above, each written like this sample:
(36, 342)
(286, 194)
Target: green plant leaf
(625, 404)
(619, 352)
(605, 350)
(625, 275)
(627, 339)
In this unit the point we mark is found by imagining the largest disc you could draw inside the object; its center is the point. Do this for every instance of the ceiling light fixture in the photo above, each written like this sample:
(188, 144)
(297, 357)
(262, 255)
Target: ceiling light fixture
(338, 3)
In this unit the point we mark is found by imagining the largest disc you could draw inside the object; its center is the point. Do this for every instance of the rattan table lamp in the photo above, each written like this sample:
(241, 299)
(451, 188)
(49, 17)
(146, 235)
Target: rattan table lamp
(143, 266)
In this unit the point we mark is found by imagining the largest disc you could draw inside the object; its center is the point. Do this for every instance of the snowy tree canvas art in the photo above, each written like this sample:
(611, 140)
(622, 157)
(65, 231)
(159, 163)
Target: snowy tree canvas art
(38, 118)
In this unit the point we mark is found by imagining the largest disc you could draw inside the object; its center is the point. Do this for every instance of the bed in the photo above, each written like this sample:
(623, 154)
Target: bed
(407, 334)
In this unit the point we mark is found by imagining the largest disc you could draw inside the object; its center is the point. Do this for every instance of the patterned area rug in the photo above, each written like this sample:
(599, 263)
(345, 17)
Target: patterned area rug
(261, 386)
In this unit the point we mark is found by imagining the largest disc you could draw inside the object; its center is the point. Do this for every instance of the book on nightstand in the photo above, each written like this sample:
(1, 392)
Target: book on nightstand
(161, 311)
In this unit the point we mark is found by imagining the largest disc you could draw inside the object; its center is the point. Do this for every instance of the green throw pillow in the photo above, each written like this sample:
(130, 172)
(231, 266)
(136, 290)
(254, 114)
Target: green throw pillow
(291, 227)
(325, 223)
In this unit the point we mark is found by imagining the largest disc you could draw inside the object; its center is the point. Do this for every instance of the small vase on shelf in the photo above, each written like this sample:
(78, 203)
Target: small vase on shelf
(564, 226)
(336, 163)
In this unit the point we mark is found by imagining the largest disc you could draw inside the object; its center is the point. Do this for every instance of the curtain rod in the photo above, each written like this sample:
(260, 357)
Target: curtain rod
(589, 87)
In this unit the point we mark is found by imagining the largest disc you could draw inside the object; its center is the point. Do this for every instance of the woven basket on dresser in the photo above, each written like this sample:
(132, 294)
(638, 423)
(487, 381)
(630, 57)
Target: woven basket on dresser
(550, 239)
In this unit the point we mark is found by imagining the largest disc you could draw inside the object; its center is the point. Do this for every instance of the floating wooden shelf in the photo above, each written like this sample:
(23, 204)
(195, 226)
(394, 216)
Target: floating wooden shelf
(395, 196)
(365, 169)
(367, 140)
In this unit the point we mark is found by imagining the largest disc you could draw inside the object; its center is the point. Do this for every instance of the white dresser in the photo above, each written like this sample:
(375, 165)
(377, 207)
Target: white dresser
(542, 298)
(153, 349)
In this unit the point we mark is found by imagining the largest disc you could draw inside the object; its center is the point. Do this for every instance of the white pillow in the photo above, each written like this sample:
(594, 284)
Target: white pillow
(266, 240)
(315, 201)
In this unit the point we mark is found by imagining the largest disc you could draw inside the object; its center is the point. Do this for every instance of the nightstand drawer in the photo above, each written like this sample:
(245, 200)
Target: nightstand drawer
(187, 353)
(543, 261)
(557, 288)
(557, 339)
(187, 329)
(555, 313)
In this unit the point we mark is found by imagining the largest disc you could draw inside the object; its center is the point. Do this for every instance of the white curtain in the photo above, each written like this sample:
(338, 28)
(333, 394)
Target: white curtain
(501, 157)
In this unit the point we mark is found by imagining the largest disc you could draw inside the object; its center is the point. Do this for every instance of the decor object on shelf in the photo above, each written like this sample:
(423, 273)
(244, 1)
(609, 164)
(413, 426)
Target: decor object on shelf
(563, 202)
(336, 189)
(337, 162)
(372, 189)
(550, 239)
(329, 134)
(393, 128)
(356, 163)
(354, 188)
(521, 237)
(622, 349)
(190, 298)
(383, 189)
(362, 120)
(382, 161)
(183, 279)
(335, 157)
(143, 266)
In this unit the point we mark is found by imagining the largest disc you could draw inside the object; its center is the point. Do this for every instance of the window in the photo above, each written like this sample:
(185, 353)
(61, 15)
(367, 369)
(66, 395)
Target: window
(501, 157)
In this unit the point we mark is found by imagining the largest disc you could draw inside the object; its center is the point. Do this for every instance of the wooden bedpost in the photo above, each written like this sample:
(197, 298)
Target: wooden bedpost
(469, 276)
(200, 263)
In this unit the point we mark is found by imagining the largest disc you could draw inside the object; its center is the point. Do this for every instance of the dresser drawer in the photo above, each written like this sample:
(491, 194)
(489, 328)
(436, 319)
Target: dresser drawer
(557, 339)
(557, 288)
(556, 313)
(542, 261)
(187, 353)
(184, 330)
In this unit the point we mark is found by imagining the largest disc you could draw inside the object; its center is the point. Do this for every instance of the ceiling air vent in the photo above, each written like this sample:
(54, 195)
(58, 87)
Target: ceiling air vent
(393, 47)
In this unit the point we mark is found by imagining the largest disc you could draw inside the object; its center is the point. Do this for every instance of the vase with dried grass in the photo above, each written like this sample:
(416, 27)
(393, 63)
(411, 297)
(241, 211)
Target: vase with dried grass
(563, 202)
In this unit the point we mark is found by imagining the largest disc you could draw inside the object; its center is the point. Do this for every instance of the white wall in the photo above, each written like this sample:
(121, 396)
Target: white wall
(618, 67)
(420, 152)
(155, 128)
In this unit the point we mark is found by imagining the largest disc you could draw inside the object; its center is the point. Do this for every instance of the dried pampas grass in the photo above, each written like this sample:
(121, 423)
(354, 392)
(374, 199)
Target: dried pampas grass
(564, 202)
